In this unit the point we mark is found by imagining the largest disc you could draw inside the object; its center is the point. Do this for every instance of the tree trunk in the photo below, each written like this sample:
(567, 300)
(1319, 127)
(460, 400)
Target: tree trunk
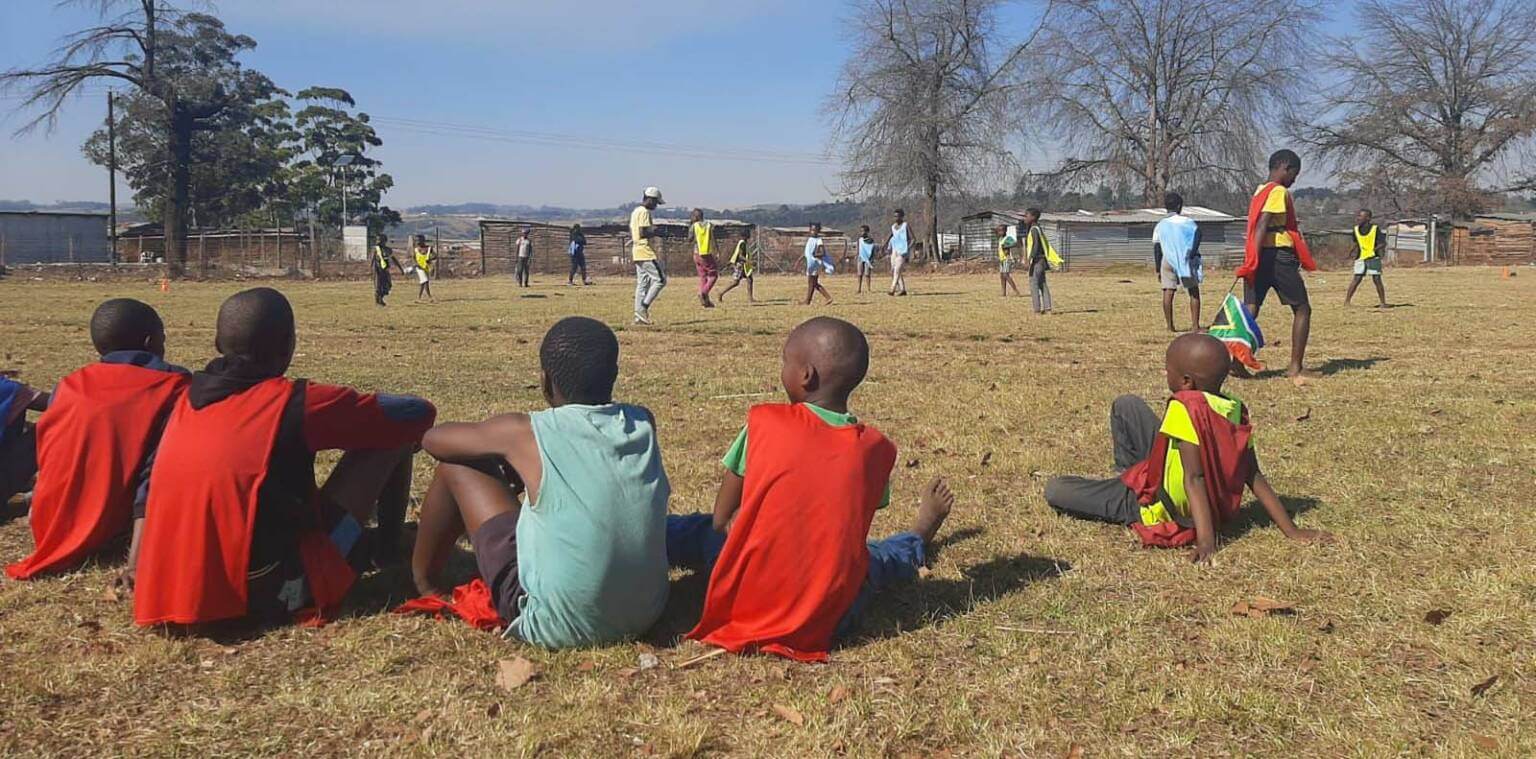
(931, 205)
(179, 139)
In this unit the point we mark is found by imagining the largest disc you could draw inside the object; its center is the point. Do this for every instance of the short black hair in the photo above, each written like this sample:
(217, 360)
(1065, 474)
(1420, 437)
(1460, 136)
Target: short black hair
(1035, 212)
(835, 347)
(256, 325)
(124, 324)
(1367, 212)
(1173, 201)
(581, 358)
(1284, 158)
(816, 225)
(900, 212)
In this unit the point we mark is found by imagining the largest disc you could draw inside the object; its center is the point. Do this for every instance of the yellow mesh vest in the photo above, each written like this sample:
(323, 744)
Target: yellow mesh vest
(1367, 242)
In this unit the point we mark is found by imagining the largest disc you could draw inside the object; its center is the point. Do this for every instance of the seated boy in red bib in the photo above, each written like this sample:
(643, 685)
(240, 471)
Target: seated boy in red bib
(97, 440)
(1185, 476)
(235, 527)
(791, 568)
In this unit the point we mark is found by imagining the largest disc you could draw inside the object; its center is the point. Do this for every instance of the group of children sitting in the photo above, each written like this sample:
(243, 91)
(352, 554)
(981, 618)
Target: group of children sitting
(211, 477)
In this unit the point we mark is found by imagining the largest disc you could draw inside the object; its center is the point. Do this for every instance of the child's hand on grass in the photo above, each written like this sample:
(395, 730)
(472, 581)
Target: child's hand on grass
(1202, 553)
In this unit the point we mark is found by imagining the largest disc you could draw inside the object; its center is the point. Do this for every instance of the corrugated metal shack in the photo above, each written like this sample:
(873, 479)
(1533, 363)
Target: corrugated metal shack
(1088, 239)
(53, 237)
(782, 249)
(608, 245)
(1495, 239)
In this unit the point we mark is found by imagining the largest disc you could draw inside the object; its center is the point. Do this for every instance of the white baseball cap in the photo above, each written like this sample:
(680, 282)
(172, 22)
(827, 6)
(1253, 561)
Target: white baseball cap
(654, 192)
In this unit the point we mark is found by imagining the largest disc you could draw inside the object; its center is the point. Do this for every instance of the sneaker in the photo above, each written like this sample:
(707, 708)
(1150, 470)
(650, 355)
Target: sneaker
(643, 316)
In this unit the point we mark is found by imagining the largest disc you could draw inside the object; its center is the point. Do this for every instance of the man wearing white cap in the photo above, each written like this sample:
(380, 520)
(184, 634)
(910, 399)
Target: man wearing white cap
(650, 271)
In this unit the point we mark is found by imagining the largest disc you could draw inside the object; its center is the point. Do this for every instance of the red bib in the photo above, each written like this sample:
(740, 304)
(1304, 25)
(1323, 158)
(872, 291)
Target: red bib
(195, 552)
(1250, 265)
(796, 556)
(91, 446)
(1224, 457)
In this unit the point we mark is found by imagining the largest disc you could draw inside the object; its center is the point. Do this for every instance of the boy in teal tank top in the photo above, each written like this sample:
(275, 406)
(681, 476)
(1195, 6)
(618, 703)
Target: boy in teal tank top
(566, 508)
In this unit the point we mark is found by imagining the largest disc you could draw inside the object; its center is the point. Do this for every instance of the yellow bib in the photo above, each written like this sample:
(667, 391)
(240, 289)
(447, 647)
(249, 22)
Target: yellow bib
(424, 259)
(1367, 242)
(702, 232)
(1052, 258)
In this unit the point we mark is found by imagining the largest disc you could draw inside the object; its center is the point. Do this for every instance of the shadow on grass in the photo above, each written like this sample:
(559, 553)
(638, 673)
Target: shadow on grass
(1253, 517)
(905, 608)
(1331, 367)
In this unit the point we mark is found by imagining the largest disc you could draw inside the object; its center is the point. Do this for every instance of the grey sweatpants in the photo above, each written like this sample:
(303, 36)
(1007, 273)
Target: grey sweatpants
(649, 279)
(1039, 291)
(1132, 427)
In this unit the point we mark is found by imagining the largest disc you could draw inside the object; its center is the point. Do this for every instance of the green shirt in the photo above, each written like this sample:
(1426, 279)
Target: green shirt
(591, 551)
(735, 460)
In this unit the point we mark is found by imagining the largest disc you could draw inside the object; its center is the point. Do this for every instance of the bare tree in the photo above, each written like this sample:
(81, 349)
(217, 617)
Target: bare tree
(1165, 93)
(1438, 94)
(922, 101)
(126, 48)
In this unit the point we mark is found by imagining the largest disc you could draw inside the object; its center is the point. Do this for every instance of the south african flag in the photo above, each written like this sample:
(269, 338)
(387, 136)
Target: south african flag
(1240, 331)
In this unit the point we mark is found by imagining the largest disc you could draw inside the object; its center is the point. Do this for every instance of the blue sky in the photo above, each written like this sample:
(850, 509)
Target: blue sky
(712, 76)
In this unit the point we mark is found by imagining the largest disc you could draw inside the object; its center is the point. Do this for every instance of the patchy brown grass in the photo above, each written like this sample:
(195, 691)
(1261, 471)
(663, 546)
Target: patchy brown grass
(1033, 632)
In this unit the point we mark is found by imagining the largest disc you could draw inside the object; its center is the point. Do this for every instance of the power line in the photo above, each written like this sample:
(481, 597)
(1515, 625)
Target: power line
(523, 137)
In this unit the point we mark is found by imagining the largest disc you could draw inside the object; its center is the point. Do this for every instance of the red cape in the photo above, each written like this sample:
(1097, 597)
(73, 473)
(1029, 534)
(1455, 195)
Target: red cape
(195, 552)
(1224, 457)
(796, 557)
(1251, 248)
(91, 446)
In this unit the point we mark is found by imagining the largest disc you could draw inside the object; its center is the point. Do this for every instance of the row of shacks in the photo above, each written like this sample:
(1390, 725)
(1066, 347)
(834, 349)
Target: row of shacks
(1085, 239)
(608, 248)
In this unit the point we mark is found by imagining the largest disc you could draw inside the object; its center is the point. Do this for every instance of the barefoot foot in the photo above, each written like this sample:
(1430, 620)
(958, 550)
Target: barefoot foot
(933, 508)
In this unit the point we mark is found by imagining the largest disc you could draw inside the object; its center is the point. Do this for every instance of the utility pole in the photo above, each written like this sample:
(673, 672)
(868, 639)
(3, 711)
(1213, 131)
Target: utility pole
(112, 175)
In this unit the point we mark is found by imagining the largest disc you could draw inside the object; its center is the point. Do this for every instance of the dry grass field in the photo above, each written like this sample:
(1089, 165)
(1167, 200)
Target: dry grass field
(1033, 635)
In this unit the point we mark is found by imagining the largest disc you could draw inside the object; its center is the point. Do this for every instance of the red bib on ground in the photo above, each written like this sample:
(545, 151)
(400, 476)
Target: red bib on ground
(91, 446)
(1250, 264)
(796, 556)
(195, 554)
(1225, 458)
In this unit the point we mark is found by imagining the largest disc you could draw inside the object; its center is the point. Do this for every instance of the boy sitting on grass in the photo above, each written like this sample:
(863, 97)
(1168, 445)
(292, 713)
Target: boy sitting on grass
(236, 528)
(580, 558)
(18, 438)
(97, 441)
(1185, 476)
(792, 569)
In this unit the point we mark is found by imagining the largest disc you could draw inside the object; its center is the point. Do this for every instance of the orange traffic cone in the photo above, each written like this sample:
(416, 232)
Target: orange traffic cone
(1506, 272)
(165, 284)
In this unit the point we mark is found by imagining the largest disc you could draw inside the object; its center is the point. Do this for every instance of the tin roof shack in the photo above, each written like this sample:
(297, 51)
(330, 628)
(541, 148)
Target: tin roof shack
(53, 237)
(608, 245)
(782, 249)
(1088, 239)
(222, 252)
(1495, 239)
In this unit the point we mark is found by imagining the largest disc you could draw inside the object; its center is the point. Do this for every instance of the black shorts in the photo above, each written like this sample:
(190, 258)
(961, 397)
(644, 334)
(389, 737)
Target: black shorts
(1279, 270)
(495, 545)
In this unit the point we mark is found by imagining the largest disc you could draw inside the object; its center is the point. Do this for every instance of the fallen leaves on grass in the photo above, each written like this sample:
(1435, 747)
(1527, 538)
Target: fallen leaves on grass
(648, 661)
(1261, 607)
(986, 458)
(837, 695)
(789, 714)
(1482, 688)
(1305, 415)
(111, 594)
(1074, 751)
(1436, 616)
(512, 674)
(1486, 743)
(586, 666)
